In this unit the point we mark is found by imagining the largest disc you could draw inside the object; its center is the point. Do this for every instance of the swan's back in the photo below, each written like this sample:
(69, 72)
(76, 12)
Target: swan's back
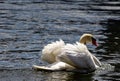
(77, 47)
(51, 51)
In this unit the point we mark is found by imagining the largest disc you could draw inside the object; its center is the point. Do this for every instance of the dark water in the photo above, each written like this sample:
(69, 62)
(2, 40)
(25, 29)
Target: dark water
(26, 26)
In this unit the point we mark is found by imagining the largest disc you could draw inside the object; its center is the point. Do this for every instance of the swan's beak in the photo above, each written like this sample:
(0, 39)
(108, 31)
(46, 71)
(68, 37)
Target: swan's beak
(94, 42)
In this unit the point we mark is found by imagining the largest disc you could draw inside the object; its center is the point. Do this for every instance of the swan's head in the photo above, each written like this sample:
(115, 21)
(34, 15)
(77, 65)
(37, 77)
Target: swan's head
(88, 38)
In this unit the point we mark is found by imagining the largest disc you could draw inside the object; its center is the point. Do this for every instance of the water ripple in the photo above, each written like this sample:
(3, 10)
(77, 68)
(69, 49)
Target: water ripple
(26, 26)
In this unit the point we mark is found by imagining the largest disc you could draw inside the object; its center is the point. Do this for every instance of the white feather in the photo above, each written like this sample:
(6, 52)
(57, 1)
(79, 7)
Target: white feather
(52, 50)
(78, 56)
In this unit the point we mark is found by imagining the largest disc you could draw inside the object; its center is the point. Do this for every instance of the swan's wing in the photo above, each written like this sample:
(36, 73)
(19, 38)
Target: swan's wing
(97, 62)
(57, 66)
(78, 60)
(78, 56)
(50, 51)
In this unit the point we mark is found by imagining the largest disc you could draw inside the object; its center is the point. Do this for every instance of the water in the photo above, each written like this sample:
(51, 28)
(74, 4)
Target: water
(26, 26)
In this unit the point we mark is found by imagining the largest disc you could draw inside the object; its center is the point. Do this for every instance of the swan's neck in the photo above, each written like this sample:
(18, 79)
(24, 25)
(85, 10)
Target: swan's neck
(85, 40)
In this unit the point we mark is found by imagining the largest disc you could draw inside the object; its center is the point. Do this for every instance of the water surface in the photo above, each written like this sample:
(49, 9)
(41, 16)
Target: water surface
(26, 26)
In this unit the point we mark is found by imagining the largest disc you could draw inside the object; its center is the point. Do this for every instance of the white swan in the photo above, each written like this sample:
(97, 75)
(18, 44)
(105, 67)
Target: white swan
(63, 56)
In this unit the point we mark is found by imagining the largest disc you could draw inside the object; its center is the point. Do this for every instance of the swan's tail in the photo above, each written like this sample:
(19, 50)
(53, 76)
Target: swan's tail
(57, 66)
(42, 68)
(50, 51)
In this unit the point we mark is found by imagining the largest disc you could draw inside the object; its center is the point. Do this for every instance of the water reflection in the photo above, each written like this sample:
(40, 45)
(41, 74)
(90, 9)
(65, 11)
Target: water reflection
(111, 42)
(113, 36)
(76, 76)
(111, 46)
(66, 76)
